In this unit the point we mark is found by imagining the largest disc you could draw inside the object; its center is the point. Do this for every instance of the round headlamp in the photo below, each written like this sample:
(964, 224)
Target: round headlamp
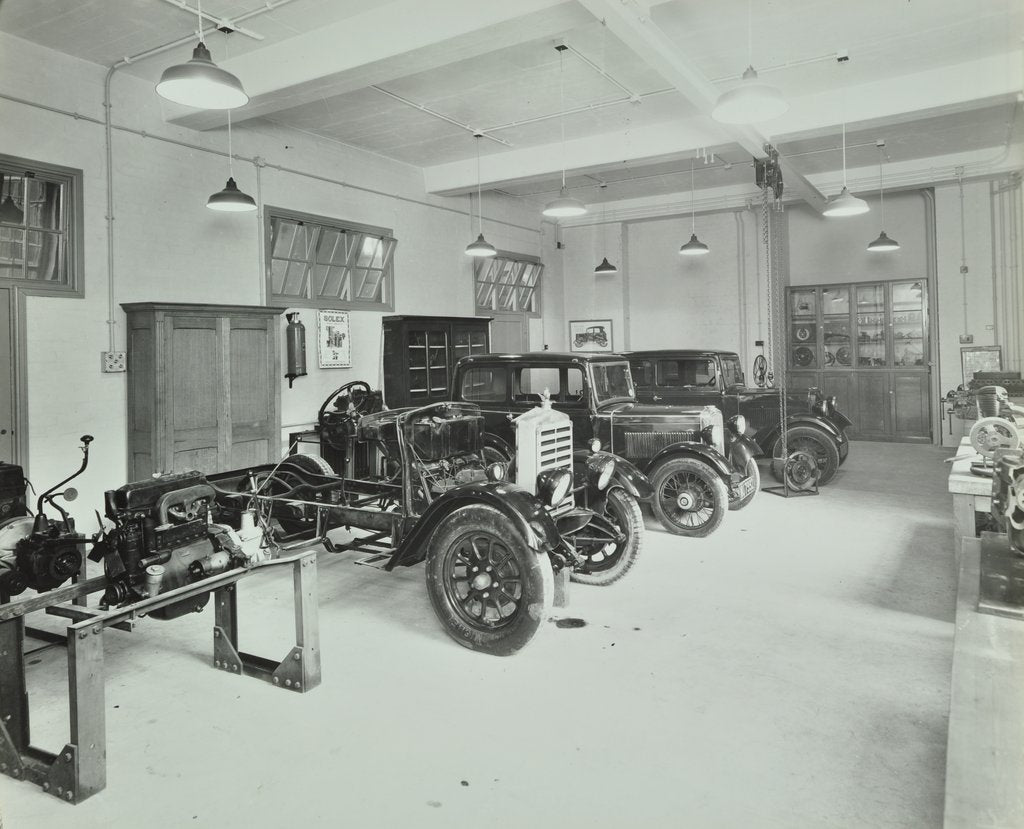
(738, 425)
(601, 471)
(711, 435)
(553, 485)
(830, 404)
(495, 471)
(595, 445)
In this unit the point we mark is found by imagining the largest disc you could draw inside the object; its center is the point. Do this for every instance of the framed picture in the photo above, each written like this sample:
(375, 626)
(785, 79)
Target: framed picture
(590, 335)
(333, 341)
(980, 358)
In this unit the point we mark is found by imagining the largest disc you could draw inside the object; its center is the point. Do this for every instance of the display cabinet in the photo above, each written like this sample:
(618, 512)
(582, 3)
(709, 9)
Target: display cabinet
(420, 353)
(866, 343)
(204, 387)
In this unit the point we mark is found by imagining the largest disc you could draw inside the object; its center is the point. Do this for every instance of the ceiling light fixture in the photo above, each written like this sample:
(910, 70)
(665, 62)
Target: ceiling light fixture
(606, 268)
(845, 204)
(695, 247)
(481, 247)
(200, 82)
(231, 199)
(883, 243)
(564, 205)
(753, 100)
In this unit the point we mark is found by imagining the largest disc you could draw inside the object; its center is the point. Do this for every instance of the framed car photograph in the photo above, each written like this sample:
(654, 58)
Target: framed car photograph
(590, 336)
(333, 341)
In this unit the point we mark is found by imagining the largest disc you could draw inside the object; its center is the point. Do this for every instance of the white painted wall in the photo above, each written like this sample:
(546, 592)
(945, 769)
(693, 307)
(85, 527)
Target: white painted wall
(170, 247)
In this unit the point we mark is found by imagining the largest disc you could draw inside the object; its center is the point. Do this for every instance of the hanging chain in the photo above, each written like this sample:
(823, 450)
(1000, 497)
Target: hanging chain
(766, 242)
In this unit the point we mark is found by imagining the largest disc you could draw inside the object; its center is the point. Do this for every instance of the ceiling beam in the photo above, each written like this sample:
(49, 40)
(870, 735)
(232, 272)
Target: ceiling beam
(394, 40)
(631, 22)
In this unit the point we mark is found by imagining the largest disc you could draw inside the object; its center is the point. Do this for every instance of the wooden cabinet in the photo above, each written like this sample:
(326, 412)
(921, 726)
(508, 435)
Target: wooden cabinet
(420, 353)
(204, 390)
(868, 344)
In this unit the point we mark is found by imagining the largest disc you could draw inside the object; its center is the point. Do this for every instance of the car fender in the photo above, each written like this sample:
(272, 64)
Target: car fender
(519, 505)
(626, 475)
(767, 440)
(492, 440)
(741, 451)
(697, 451)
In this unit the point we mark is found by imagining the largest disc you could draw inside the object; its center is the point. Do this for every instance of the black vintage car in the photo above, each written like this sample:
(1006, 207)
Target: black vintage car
(682, 449)
(714, 378)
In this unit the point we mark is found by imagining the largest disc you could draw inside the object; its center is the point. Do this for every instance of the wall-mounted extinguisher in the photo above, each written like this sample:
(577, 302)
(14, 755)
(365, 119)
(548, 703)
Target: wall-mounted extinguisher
(295, 347)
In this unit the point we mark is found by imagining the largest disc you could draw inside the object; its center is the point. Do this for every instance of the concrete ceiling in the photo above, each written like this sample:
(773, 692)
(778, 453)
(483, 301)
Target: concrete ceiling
(938, 81)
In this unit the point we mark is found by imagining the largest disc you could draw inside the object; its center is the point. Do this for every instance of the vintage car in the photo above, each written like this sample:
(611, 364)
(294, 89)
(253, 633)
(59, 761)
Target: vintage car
(594, 334)
(714, 378)
(415, 486)
(682, 449)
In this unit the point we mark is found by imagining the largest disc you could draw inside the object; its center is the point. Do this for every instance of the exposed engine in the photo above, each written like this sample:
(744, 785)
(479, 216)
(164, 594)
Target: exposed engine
(1008, 498)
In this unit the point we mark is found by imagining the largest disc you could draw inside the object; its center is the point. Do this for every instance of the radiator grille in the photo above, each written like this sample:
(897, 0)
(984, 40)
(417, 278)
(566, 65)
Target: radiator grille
(554, 447)
(648, 444)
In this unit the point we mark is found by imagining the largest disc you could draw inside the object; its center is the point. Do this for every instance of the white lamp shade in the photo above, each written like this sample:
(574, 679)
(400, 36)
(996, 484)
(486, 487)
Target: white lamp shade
(481, 247)
(750, 102)
(231, 199)
(845, 204)
(883, 243)
(695, 247)
(564, 205)
(201, 83)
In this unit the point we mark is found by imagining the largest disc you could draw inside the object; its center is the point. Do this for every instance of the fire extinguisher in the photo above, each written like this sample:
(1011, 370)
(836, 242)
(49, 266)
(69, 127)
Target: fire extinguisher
(295, 347)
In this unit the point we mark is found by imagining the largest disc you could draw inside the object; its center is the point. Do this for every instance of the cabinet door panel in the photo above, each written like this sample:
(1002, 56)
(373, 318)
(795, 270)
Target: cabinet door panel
(202, 458)
(912, 414)
(873, 405)
(843, 385)
(250, 402)
(195, 375)
(249, 452)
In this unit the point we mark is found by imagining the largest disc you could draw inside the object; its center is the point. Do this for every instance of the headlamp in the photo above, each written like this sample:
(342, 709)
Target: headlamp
(710, 435)
(496, 471)
(601, 470)
(738, 425)
(553, 485)
(595, 445)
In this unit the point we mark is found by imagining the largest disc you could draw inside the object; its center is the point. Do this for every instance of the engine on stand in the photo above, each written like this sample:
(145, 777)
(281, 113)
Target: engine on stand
(164, 538)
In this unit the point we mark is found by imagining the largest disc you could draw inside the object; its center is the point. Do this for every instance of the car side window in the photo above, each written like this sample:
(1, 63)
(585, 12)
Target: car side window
(530, 383)
(573, 385)
(485, 385)
(687, 372)
(643, 372)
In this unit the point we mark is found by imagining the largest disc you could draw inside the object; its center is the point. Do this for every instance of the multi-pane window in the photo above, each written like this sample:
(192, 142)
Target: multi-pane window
(328, 264)
(507, 282)
(39, 214)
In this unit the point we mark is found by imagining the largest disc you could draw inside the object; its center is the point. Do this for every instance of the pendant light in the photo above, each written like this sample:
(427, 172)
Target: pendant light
(564, 205)
(752, 100)
(200, 82)
(694, 247)
(606, 268)
(845, 204)
(883, 243)
(231, 199)
(481, 247)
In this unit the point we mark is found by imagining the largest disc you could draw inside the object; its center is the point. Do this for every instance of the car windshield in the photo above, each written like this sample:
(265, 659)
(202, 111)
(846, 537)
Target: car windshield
(611, 381)
(731, 371)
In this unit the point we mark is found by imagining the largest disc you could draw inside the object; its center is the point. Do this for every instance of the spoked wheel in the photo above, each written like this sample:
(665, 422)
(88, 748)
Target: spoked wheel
(751, 471)
(689, 497)
(607, 560)
(489, 589)
(815, 443)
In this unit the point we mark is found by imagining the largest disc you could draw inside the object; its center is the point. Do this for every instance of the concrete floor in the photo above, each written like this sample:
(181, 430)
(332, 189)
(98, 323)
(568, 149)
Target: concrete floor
(790, 671)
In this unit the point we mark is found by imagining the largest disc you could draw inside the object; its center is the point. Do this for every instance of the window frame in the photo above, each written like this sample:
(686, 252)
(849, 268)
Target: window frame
(525, 259)
(73, 228)
(271, 212)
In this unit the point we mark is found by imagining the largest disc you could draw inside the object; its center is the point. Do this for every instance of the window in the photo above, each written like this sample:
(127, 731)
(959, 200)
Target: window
(642, 374)
(686, 373)
(563, 385)
(508, 282)
(325, 263)
(40, 224)
(485, 385)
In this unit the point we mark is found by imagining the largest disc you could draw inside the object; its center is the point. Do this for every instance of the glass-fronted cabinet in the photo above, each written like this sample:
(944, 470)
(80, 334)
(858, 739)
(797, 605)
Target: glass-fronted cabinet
(867, 343)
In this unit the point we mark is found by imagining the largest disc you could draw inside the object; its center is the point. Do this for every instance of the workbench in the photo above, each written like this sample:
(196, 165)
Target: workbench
(972, 494)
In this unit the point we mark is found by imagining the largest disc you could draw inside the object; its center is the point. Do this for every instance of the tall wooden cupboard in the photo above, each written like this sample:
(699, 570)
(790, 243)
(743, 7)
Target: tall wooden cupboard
(204, 387)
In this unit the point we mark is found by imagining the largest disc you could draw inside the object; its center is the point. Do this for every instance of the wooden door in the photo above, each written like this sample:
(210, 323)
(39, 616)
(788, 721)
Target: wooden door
(196, 394)
(911, 405)
(252, 402)
(7, 401)
(873, 405)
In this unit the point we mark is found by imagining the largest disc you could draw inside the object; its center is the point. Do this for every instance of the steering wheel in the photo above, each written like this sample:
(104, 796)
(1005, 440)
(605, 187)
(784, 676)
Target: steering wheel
(760, 370)
(359, 396)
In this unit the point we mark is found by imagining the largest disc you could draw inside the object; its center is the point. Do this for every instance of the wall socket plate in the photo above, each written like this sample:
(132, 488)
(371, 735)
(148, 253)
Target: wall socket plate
(114, 362)
(966, 338)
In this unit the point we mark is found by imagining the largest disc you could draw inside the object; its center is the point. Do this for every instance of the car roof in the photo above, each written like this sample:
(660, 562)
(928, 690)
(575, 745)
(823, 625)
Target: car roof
(679, 352)
(540, 357)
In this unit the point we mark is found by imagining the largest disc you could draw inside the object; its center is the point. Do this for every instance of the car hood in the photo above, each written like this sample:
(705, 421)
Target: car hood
(648, 410)
(762, 396)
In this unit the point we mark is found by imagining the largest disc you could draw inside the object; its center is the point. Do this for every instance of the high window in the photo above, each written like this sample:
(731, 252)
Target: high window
(508, 282)
(40, 225)
(325, 263)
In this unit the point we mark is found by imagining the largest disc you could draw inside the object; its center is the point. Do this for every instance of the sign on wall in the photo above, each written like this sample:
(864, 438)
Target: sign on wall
(333, 340)
(590, 335)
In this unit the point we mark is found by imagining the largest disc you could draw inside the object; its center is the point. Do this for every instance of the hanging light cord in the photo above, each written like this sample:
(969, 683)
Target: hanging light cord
(750, 35)
(881, 189)
(479, 201)
(844, 153)
(561, 95)
(231, 155)
(199, 14)
(693, 220)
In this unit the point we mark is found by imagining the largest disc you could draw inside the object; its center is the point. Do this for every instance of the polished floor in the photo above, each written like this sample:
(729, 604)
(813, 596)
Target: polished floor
(791, 671)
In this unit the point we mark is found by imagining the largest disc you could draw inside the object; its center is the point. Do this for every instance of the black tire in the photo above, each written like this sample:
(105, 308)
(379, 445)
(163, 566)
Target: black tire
(480, 536)
(818, 444)
(308, 463)
(687, 478)
(609, 562)
(753, 471)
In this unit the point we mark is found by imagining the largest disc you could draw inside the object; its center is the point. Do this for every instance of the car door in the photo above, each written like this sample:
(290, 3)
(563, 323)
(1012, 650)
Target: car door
(686, 381)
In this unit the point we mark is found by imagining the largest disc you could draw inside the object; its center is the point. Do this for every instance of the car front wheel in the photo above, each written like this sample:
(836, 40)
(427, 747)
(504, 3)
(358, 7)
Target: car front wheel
(606, 560)
(817, 444)
(489, 589)
(689, 497)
